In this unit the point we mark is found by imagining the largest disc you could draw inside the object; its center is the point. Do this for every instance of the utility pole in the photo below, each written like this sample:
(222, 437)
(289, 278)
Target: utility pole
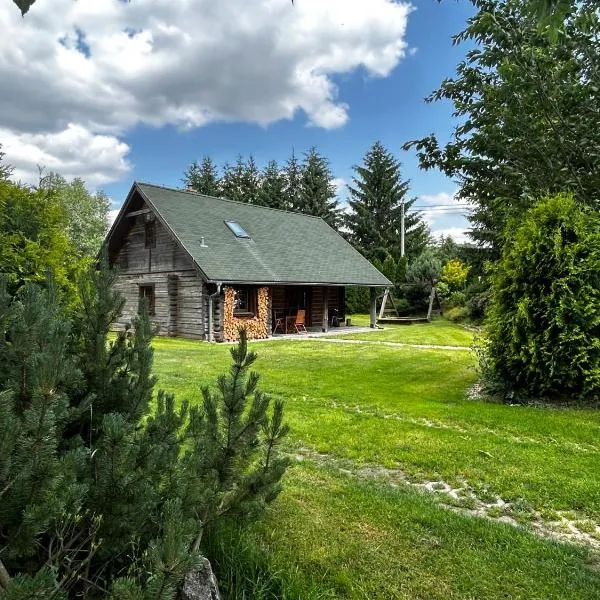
(402, 230)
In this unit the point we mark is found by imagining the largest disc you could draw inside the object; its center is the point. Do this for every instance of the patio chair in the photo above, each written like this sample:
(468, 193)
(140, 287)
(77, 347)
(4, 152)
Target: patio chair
(279, 319)
(299, 323)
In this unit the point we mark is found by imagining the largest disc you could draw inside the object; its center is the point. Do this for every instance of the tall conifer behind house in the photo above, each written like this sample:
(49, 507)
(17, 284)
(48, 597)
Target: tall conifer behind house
(250, 181)
(272, 187)
(293, 181)
(232, 182)
(376, 198)
(203, 178)
(317, 195)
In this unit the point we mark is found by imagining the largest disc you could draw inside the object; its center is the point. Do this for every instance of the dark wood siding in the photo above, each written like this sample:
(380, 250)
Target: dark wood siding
(334, 297)
(178, 288)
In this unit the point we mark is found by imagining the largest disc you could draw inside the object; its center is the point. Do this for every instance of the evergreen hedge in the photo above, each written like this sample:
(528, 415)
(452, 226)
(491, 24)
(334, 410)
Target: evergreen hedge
(543, 328)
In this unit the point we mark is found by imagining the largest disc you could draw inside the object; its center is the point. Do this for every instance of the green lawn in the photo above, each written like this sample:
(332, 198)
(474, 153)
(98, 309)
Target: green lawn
(371, 409)
(437, 332)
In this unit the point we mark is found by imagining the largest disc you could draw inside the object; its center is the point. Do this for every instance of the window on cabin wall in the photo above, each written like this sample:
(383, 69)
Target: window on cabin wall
(150, 234)
(147, 292)
(246, 301)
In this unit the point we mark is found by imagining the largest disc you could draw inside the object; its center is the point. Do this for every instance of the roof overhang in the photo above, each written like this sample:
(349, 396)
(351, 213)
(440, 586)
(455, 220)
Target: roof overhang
(301, 283)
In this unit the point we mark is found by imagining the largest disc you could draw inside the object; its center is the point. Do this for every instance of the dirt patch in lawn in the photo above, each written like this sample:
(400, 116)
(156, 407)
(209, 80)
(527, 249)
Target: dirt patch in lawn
(565, 526)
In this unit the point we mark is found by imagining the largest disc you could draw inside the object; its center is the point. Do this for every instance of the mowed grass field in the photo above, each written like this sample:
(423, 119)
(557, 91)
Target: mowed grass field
(368, 424)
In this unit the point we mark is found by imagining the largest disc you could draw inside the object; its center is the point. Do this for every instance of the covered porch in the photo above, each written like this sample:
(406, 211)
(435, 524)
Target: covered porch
(314, 308)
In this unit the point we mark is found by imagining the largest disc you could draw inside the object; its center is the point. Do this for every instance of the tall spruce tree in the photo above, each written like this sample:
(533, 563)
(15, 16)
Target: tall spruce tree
(293, 181)
(203, 178)
(232, 182)
(272, 187)
(317, 195)
(376, 199)
(250, 181)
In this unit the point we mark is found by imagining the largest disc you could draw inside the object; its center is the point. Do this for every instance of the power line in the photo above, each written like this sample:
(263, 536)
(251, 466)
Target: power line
(442, 207)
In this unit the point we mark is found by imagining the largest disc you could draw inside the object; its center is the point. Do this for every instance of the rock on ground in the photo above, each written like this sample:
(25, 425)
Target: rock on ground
(201, 584)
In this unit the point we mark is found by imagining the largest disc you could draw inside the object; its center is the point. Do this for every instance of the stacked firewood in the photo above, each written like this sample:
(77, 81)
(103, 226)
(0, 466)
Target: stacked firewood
(257, 326)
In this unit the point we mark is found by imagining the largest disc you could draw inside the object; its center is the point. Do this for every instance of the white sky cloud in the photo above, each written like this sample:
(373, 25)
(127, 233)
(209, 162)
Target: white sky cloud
(446, 215)
(112, 215)
(90, 70)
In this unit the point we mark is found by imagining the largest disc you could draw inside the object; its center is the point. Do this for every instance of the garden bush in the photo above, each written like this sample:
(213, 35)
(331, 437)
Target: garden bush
(358, 300)
(103, 487)
(543, 329)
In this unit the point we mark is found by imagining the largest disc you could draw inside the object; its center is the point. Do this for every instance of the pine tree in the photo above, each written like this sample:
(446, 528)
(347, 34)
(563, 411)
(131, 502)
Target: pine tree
(233, 181)
(317, 193)
(272, 187)
(293, 182)
(376, 200)
(96, 484)
(203, 178)
(250, 181)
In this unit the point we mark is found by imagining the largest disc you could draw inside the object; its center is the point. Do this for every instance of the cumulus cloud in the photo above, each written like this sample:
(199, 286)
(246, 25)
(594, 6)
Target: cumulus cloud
(73, 152)
(112, 215)
(100, 68)
(458, 234)
(445, 215)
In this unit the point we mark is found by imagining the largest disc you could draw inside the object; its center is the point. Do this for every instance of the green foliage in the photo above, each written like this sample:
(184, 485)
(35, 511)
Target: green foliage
(98, 486)
(272, 187)
(5, 170)
(241, 182)
(454, 274)
(358, 300)
(376, 199)
(477, 299)
(528, 106)
(543, 330)
(233, 180)
(293, 181)
(203, 178)
(86, 213)
(317, 193)
(424, 269)
(33, 238)
(456, 313)
(250, 181)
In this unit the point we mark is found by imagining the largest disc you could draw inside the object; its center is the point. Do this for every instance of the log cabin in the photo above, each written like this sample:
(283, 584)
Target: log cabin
(209, 266)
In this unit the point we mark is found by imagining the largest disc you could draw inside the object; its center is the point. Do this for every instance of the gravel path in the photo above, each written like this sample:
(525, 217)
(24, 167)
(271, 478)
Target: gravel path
(393, 344)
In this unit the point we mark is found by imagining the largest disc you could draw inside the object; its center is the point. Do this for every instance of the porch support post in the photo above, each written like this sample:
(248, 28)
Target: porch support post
(373, 307)
(325, 326)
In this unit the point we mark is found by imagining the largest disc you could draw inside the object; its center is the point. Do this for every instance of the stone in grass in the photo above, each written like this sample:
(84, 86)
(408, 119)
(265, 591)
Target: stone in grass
(201, 584)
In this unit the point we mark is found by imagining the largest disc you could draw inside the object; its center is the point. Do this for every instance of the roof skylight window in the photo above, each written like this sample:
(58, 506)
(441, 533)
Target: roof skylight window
(237, 229)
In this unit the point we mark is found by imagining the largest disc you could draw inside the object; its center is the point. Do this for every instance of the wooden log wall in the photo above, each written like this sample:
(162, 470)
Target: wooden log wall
(278, 298)
(134, 257)
(178, 289)
(334, 300)
(217, 321)
(256, 326)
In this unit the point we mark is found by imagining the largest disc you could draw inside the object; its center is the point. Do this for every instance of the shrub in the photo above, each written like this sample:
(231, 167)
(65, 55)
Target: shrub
(443, 290)
(454, 274)
(457, 299)
(97, 481)
(477, 299)
(358, 300)
(424, 269)
(456, 314)
(543, 331)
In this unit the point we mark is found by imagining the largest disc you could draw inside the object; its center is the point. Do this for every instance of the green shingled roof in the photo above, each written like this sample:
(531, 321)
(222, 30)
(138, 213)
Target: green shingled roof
(283, 246)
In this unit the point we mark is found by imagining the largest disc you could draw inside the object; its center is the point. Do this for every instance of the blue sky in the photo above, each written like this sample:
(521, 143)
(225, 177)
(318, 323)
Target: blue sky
(118, 110)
